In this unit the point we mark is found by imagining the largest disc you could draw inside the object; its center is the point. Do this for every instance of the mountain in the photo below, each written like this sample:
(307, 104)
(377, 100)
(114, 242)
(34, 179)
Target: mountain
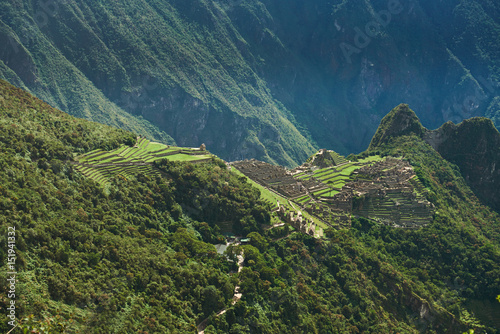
(266, 79)
(183, 68)
(132, 249)
(400, 121)
(473, 145)
(94, 259)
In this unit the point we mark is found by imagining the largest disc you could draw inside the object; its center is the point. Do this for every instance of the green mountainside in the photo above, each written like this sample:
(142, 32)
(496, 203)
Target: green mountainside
(183, 68)
(266, 79)
(473, 145)
(136, 253)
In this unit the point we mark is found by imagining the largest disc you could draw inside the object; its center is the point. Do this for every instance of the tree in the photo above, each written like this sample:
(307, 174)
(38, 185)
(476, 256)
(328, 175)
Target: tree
(213, 300)
(258, 241)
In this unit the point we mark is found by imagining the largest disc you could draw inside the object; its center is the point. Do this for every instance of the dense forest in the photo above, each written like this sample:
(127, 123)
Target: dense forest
(138, 255)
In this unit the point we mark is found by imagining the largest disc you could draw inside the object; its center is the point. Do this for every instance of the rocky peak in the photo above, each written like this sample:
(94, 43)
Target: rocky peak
(400, 121)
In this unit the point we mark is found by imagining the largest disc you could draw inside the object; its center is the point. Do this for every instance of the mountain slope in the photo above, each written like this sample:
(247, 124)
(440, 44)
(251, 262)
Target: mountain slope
(122, 259)
(267, 79)
(474, 146)
(138, 255)
(182, 68)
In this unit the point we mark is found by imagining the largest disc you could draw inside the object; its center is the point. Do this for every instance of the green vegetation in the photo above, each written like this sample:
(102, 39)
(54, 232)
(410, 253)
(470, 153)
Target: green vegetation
(126, 161)
(140, 257)
(400, 121)
(136, 258)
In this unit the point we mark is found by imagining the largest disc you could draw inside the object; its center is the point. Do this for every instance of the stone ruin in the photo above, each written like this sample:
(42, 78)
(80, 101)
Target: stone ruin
(277, 178)
(297, 221)
(382, 191)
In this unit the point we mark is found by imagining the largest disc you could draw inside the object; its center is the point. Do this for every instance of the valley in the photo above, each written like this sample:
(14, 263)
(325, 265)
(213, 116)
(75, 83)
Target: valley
(266, 79)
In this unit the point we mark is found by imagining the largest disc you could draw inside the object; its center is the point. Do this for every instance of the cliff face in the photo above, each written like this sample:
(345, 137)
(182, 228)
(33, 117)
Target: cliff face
(268, 79)
(474, 146)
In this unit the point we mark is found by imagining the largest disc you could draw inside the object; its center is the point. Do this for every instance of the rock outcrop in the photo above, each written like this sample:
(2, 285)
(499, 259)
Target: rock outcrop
(474, 146)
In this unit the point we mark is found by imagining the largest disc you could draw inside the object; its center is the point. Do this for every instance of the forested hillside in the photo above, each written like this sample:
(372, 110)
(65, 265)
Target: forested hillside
(266, 79)
(138, 255)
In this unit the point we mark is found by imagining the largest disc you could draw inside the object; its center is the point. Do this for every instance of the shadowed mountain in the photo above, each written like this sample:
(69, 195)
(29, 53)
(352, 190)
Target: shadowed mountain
(266, 79)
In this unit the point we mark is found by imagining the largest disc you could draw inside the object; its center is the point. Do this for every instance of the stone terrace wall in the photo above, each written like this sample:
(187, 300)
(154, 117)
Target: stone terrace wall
(275, 177)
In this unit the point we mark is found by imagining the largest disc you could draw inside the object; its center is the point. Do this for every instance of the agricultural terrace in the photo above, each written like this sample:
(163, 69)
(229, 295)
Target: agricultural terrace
(326, 158)
(333, 178)
(127, 162)
(378, 188)
(272, 198)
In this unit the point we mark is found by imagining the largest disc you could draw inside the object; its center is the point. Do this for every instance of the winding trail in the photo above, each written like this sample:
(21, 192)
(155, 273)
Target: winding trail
(236, 297)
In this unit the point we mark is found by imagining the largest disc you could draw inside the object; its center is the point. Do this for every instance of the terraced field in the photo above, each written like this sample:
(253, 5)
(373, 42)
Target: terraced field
(326, 158)
(404, 209)
(128, 162)
(273, 198)
(334, 177)
(333, 190)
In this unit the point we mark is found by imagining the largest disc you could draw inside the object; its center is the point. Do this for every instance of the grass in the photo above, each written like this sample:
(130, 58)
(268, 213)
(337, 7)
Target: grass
(320, 172)
(137, 159)
(302, 199)
(154, 146)
(373, 158)
(185, 157)
(265, 193)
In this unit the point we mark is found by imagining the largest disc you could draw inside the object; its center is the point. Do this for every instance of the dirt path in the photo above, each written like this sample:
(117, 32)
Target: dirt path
(236, 297)
(274, 226)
